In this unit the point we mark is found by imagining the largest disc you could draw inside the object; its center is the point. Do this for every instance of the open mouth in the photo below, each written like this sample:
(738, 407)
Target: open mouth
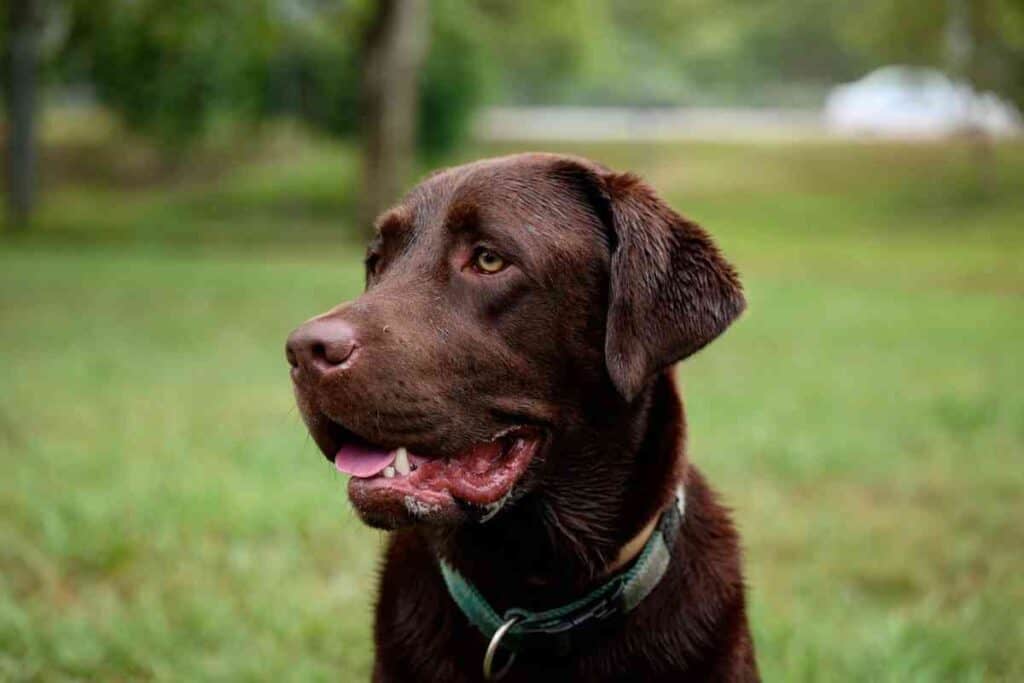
(477, 480)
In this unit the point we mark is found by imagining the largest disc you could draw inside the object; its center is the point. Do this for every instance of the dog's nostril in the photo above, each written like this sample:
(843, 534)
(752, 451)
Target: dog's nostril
(336, 351)
(321, 345)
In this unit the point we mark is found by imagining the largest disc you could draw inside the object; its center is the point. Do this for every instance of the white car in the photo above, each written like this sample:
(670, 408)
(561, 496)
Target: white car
(903, 101)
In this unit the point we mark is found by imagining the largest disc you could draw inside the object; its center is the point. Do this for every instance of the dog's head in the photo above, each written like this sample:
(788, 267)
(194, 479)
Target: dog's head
(513, 307)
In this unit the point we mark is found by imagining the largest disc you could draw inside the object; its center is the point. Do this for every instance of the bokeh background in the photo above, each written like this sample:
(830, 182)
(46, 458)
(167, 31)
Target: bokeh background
(186, 181)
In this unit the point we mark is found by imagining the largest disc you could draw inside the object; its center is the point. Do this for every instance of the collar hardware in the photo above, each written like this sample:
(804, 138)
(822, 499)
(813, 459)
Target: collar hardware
(492, 649)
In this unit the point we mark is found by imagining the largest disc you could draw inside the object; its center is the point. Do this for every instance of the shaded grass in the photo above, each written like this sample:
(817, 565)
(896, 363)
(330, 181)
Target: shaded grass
(163, 515)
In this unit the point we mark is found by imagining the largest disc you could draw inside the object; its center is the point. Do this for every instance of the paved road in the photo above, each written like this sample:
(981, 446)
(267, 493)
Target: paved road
(630, 124)
(638, 125)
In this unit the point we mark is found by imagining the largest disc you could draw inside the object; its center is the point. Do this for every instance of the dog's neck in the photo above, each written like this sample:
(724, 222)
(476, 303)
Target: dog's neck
(594, 515)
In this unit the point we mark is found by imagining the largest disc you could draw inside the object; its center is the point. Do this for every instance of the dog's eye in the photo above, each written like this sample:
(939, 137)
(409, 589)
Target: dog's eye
(488, 262)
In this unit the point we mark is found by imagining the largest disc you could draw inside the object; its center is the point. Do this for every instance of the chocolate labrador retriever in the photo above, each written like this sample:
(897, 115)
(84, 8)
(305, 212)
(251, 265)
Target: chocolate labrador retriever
(502, 396)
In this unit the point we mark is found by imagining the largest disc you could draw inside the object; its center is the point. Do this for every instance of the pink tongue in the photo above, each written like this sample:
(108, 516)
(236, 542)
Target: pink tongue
(361, 461)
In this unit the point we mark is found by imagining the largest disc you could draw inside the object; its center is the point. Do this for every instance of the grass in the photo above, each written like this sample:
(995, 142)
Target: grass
(164, 516)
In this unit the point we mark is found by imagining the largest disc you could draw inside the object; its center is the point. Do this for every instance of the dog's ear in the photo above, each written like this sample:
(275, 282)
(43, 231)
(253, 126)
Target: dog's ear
(671, 290)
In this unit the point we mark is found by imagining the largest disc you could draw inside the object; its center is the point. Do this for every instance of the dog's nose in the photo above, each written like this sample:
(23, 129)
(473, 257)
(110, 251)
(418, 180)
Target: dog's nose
(320, 346)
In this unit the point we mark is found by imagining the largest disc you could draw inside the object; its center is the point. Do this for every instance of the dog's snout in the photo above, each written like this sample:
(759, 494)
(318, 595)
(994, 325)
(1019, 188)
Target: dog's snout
(320, 346)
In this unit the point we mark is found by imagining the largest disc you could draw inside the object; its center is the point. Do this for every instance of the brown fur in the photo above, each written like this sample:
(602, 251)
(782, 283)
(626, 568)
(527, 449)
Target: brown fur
(610, 287)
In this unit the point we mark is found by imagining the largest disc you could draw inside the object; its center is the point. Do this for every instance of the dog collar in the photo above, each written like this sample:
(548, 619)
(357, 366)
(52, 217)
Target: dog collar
(559, 630)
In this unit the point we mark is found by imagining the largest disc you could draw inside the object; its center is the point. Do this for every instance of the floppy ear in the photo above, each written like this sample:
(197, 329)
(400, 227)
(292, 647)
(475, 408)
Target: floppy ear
(671, 291)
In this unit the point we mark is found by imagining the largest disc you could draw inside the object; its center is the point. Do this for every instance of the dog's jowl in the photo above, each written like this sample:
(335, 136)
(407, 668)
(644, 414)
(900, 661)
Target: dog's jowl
(502, 396)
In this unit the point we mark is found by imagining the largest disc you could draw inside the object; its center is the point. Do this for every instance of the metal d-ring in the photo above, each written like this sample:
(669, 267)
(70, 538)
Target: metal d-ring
(492, 649)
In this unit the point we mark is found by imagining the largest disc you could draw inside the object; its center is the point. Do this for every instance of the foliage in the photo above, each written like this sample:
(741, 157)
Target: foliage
(314, 73)
(739, 51)
(914, 31)
(540, 48)
(454, 79)
(672, 52)
(169, 68)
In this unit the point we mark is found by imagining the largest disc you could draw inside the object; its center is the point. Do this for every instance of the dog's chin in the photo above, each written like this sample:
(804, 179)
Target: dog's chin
(392, 487)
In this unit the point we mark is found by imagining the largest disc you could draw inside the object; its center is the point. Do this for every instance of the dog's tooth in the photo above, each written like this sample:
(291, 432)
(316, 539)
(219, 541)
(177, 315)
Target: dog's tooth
(389, 472)
(402, 461)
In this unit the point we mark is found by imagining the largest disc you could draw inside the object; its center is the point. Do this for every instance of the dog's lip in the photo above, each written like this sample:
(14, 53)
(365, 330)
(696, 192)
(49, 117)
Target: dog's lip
(331, 434)
(479, 478)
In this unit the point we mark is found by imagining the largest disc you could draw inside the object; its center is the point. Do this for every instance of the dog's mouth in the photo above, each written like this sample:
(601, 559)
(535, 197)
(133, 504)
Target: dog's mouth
(389, 486)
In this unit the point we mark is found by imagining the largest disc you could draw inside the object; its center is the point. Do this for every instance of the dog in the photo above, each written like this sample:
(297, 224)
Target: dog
(502, 395)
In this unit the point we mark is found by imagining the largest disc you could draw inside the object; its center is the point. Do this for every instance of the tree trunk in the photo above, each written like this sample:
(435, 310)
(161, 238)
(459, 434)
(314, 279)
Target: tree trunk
(959, 39)
(22, 71)
(394, 52)
(960, 63)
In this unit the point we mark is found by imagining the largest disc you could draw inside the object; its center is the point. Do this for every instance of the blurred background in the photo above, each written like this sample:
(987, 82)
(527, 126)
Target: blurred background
(186, 181)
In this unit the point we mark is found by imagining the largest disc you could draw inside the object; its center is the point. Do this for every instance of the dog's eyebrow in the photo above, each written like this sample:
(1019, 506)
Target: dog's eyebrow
(462, 217)
(394, 222)
(467, 218)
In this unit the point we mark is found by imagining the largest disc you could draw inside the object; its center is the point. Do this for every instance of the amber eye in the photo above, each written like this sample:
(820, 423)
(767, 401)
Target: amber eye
(487, 261)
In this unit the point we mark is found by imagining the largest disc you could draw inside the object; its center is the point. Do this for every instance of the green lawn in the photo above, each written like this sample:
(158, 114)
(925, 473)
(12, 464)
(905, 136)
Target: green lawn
(163, 514)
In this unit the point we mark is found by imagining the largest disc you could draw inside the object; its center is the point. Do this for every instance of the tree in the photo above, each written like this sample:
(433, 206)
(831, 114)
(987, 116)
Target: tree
(395, 50)
(169, 68)
(345, 68)
(23, 22)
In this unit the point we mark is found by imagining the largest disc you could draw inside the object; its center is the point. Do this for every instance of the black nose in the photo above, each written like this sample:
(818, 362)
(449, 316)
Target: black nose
(321, 345)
